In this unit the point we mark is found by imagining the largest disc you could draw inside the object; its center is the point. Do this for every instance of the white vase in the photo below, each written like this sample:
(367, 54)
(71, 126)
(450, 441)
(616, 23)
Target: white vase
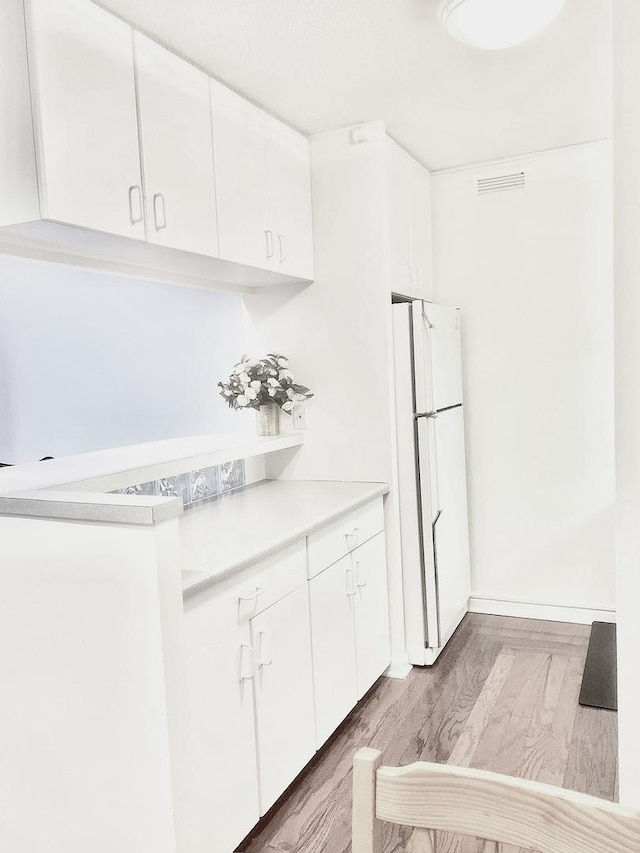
(267, 419)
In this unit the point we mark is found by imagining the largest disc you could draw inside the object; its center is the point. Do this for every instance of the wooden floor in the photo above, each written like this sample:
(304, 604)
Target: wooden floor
(502, 696)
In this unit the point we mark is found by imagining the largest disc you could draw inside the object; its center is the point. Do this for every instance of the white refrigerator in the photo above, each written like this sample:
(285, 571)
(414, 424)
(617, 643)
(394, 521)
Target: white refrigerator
(432, 483)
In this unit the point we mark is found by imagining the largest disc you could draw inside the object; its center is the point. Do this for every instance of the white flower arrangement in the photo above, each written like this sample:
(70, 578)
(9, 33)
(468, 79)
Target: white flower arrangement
(257, 382)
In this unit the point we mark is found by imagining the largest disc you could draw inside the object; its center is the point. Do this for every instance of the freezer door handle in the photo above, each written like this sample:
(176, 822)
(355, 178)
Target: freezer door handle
(432, 415)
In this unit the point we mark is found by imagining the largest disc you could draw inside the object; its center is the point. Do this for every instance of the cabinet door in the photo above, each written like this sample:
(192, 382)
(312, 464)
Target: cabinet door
(402, 273)
(421, 257)
(242, 179)
(177, 150)
(290, 195)
(283, 693)
(371, 612)
(81, 69)
(222, 750)
(331, 595)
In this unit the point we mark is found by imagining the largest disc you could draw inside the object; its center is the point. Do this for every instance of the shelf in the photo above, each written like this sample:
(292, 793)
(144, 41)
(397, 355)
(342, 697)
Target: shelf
(106, 470)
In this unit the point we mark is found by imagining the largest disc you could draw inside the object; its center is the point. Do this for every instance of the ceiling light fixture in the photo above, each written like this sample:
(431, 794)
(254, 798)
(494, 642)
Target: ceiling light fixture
(494, 24)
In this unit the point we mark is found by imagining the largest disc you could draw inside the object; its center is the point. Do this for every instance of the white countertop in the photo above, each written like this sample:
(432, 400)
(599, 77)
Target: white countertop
(235, 530)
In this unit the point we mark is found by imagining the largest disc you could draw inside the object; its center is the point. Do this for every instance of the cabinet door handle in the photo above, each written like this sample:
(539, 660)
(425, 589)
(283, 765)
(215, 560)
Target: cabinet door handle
(360, 582)
(246, 662)
(264, 653)
(252, 596)
(158, 197)
(135, 189)
(351, 586)
(269, 236)
(283, 247)
(352, 538)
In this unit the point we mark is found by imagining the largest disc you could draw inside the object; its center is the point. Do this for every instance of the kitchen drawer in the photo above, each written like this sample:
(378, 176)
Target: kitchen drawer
(254, 590)
(342, 536)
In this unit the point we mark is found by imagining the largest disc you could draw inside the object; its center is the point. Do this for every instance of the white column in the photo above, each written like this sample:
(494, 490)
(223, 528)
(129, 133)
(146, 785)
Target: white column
(626, 49)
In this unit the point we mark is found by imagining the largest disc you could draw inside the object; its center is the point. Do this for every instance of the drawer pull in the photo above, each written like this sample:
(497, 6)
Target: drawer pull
(253, 596)
(361, 583)
(351, 586)
(352, 538)
(264, 654)
(246, 662)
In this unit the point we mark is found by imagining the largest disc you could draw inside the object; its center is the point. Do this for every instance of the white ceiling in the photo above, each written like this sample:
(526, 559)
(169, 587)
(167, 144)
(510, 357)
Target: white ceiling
(324, 64)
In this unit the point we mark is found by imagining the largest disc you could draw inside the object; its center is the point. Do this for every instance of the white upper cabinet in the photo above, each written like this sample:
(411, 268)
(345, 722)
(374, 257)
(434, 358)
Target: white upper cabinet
(290, 196)
(83, 94)
(409, 224)
(177, 150)
(242, 179)
(263, 187)
(106, 131)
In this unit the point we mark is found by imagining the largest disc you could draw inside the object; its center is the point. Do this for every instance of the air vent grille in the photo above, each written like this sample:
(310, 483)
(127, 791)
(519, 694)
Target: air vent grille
(501, 183)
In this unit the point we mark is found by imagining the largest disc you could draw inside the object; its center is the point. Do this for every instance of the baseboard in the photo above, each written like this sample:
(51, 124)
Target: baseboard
(399, 668)
(540, 610)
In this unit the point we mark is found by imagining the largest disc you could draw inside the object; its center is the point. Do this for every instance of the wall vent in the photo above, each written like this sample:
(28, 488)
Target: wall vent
(501, 183)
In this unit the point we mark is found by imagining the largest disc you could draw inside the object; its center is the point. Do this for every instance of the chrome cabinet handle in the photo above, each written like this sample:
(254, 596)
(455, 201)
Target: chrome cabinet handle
(253, 596)
(135, 188)
(361, 583)
(352, 538)
(269, 236)
(283, 247)
(246, 662)
(264, 655)
(158, 197)
(351, 587)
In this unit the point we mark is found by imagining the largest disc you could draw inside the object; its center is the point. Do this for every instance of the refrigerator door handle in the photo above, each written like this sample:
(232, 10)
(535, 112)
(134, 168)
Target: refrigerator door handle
(432, 415)
(437, 578)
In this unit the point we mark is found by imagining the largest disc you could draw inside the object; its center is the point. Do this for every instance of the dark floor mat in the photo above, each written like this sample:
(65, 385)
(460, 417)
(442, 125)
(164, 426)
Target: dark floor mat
(599, 681)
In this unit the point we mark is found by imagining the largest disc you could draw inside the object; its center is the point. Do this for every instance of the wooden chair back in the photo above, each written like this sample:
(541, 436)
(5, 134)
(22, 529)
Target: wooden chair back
(499, 809)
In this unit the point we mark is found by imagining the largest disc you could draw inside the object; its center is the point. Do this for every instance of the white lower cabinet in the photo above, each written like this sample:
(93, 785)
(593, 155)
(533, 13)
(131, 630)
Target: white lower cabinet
(283, 689)
(349, 632)
(333, 644)
(222, 746)
(249, 697)
(371, 612)
(274, 663)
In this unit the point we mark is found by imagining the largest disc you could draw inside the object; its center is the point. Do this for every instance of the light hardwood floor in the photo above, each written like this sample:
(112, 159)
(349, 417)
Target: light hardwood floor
(503, 696)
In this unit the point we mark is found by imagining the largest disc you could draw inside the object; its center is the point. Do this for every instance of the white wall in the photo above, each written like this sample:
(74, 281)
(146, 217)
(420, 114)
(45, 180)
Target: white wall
(328, 328)
(532, 271)
(90, 361)
(627, 324)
